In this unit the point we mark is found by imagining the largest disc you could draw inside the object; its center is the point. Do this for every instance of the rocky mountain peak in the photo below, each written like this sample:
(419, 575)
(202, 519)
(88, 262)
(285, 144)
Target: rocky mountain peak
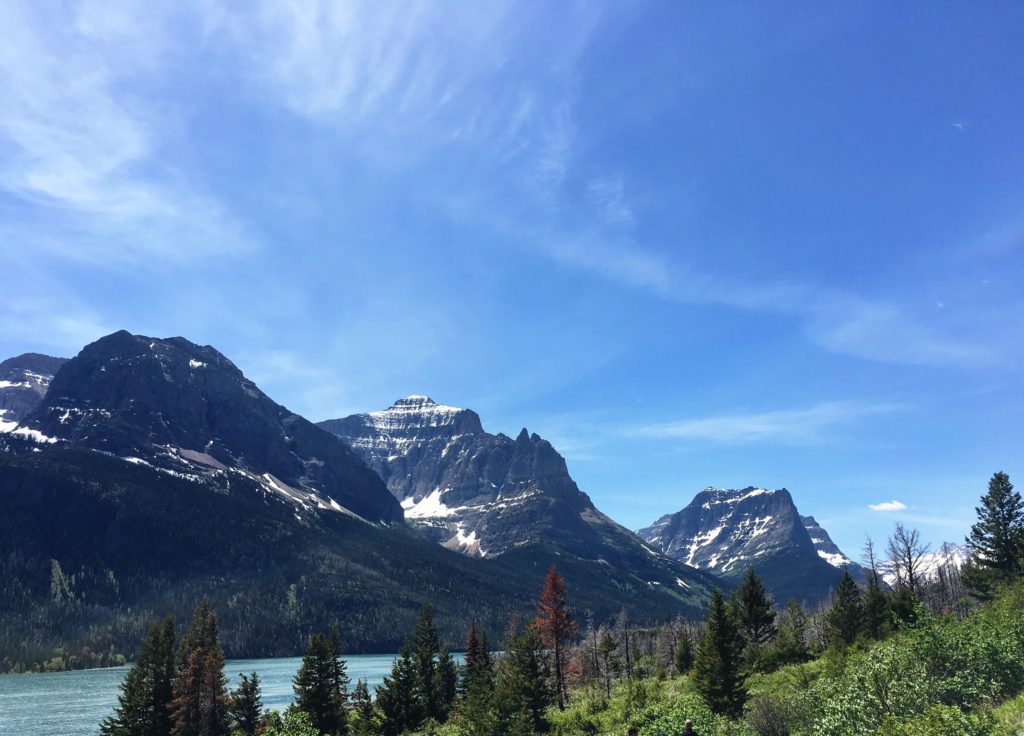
(188, 409)
(727, 531)
(24, 380)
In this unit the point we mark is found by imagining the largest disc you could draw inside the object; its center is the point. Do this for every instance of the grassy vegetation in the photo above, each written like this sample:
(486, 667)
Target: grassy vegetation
(940, 676)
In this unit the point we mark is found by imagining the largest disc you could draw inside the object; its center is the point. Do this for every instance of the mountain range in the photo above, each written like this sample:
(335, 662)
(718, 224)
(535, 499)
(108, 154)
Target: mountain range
(487, 495)
(145, 473)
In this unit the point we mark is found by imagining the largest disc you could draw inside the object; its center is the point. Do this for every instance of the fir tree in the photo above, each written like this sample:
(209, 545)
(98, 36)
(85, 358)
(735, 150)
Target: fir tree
(425, 650)
(683, 656)
(716, 668)
(522, 691)
(447, 679)
(362, 705)
(877, 610)
(475, 709)
(200, 704)
(846, 616)
(321, 686)
(146, 693)
(245, 705)
(996, 540)
(201, 633)
(755, 614)
(790, 645)
(556, 627)
(396, 698)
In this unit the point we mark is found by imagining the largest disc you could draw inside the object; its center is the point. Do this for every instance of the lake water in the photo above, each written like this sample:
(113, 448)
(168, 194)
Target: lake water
(74, 703)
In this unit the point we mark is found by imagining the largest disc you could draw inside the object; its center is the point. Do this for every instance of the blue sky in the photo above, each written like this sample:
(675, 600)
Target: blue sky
(691, 243)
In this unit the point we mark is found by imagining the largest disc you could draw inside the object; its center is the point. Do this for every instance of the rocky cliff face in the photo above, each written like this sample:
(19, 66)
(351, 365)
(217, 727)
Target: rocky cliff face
(24, 381)
(489, 494)
(729, 531)
(187, 409)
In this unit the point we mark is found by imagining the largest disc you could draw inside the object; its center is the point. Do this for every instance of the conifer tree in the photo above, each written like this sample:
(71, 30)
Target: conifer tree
(522, 691)
(683, 656)
(790, 646)
(321, 686)
(475, 708)
(245, 705)
(717, 671)
(756, 614)
(200, 704)
(877, 610)
(996, 540)
(448, 679)
(846, 616)
(362, 704)
(425, 650)
(146, 693)
(396, 698)
(556, 627)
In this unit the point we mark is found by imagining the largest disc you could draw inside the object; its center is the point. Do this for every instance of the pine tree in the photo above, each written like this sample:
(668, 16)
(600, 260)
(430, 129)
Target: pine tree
(200, 704)
(522, 692)
(425, 650)
(245, 705)
(321, 686)
(448, 679)
(396, 698)
(362, 704)
(756, 615)
(996, 540)
(877, 610)
(717, 671)
(846, 616)
(146, 692)
(790, 645)
(475, 708)
(683, 656)
(556, 627)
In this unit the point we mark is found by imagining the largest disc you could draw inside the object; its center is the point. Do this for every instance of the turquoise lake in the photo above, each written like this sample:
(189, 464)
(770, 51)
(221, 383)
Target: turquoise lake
(74, 703)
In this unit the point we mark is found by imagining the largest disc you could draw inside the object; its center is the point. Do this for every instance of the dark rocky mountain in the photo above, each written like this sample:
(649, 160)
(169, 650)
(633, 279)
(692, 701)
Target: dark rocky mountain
(827, 549)
(488, 494)
(23, 383)
(154, 473)
(728, 531)
(188, 409)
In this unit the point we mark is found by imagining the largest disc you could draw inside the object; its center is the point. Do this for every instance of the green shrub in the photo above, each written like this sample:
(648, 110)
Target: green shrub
(940, 719)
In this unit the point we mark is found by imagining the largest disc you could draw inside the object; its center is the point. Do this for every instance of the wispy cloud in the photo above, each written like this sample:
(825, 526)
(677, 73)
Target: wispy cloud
(806, 426)
(81, 168)
(887, 506)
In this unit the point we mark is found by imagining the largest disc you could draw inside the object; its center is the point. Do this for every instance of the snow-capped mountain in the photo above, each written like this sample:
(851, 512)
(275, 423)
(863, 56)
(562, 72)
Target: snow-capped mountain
(187, 409)
(948, 556)
(827, 549)
(24, 381)
(489, 494)
(728, 531)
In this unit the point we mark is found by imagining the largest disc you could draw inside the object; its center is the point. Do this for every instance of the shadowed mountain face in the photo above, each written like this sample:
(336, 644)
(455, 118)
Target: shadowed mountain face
(153, 473)
(24, 381)
(488, 494)
(188, 409)
(729, 531)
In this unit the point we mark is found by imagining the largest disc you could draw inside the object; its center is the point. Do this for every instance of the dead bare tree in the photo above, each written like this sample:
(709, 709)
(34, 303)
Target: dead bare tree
(868, 556)
(906, 552)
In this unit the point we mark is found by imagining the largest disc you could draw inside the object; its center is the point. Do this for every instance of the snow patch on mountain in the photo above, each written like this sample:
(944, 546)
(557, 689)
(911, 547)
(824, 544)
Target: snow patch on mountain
(948, 556)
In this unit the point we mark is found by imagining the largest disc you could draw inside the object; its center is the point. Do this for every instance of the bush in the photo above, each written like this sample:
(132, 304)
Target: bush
(940, 719)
